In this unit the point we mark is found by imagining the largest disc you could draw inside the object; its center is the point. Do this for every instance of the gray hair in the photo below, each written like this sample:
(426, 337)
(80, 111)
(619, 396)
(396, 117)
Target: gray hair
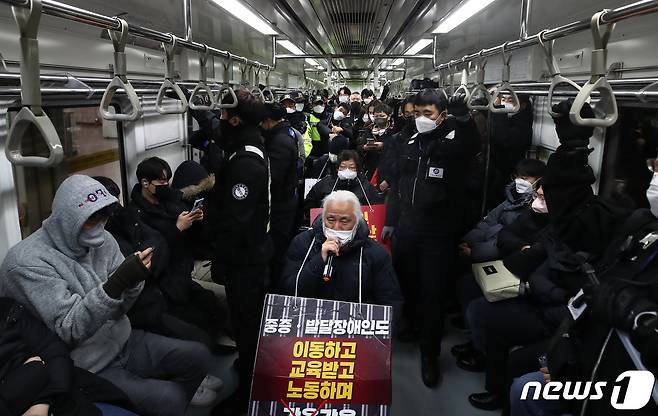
(343, 196)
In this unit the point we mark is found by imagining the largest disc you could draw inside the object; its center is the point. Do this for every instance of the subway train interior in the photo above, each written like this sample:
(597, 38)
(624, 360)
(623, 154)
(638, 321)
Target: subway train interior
(513, 138)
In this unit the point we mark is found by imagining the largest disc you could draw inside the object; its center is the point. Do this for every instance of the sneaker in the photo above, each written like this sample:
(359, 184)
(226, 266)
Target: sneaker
(203, 397)
(212, 383)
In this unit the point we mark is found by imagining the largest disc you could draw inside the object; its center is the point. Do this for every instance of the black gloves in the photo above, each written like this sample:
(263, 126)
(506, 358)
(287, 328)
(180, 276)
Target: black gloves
(570, 135)
(457, 106)
(127, 275)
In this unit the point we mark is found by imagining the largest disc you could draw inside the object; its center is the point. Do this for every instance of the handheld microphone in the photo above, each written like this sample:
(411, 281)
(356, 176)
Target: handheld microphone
(328, 272)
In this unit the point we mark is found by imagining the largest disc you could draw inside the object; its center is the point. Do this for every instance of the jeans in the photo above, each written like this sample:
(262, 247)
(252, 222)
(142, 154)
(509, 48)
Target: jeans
(158, 374)
(529, 407)
(110, 410)
(423, 264)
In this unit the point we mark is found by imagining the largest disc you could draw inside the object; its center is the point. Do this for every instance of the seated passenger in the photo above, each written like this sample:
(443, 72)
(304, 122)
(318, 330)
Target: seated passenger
(37, 373)
(581, 225)
(162, 208)
(480, 243)
(71, 274)
(153, 310)
(363, 271)
(325, 165)
(347, 178)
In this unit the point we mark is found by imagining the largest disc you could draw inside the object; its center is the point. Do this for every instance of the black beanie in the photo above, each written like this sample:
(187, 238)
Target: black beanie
(188, 173)
(338, 144)
(274, 111)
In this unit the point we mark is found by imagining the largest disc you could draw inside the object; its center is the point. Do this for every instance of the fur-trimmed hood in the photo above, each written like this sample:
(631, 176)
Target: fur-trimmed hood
(191, 191)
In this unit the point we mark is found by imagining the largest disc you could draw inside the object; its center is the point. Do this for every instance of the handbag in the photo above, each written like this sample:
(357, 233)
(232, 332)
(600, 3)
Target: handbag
(497, 283)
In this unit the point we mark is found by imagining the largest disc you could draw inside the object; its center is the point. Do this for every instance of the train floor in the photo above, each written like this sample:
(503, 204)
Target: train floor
(410, 396)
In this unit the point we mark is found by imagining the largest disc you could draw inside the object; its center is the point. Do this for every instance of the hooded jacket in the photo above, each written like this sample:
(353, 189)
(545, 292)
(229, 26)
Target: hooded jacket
(482, 238)
(363, 269)
(61, 281)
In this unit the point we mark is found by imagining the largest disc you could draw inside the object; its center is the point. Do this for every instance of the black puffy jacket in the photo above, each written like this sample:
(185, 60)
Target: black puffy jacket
(362, 257)
(360, 187)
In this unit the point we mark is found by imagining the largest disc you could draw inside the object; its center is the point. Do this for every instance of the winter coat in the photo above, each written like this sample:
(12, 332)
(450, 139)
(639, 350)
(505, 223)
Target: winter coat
(360, 187)
(363, 269)
(510, 137)
(282, 153)
(430, 179)
(482, 238)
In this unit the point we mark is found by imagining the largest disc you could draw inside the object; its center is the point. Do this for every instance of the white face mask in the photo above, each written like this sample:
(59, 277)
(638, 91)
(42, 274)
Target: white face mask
(290, 110)
(338, 115)
(366, 118)
(523, 186)
(346, 174)
(425, 124)
(367, 100)
(378, 132)
(343, 98)
(93, 237)
(318, 109)
(539, 206)
(343, 237)
(333, 158)
(508, 106)
(652, 195)
(299, 107)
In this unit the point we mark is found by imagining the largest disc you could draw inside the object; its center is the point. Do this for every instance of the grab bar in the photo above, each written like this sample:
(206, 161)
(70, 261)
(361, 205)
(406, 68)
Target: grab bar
(170, 54)
(505, 86)
(31, 113)
(202, 85)
(119, 40)
(598, 81)
(479, 86)
(554, 70)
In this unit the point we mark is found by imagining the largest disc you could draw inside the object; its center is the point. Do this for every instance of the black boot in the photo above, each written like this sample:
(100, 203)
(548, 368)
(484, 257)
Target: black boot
(462, 348)
(486, 401)
(473, 361)
(430, 369)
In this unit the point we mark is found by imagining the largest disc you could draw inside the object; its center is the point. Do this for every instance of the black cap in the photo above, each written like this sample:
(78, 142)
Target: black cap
(338, 144)
(274, 111)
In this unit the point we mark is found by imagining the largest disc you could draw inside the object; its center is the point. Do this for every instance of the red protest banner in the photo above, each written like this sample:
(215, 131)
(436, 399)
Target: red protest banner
(374, 215)
(339, 361)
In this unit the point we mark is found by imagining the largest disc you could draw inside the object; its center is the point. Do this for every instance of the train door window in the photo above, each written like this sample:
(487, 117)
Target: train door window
(629, 153)
(92, 146)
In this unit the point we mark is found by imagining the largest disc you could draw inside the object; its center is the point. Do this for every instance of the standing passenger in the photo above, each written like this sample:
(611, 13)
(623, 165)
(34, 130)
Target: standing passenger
(241, 210)
(427, 202)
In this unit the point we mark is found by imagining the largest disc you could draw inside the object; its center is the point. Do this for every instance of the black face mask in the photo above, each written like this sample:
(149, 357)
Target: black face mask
(355, 108)
(166, 193)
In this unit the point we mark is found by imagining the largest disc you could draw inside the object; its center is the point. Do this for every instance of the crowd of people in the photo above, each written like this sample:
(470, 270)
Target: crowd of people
(116, 309)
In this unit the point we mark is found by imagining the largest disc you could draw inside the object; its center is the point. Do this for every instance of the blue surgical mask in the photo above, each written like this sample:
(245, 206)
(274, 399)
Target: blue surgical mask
(93, 237)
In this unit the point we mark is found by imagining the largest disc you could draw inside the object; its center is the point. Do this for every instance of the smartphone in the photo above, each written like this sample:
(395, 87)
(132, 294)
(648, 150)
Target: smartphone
(197, 204)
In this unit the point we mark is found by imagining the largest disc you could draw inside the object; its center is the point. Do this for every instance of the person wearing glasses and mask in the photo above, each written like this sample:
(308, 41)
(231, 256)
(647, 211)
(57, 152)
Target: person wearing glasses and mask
(424, 213)
(378, 156)
(348, 177)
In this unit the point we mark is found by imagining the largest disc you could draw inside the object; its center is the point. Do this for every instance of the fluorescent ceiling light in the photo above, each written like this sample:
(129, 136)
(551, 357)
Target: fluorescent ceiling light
(462, 13)
(244, 13)
(417, 47)
(291, 47)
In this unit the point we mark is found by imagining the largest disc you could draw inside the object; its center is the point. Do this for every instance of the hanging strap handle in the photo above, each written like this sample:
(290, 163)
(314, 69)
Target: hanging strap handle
(268, 95)
(554, 71)
(120, 81)
(451, 76)
(226, 90)
(598, 81)
(258, 93)
(463, 87)
(480, 90)
(31, 114)
(641, 95)
(505, 85)
(202, 84)
(169, 83)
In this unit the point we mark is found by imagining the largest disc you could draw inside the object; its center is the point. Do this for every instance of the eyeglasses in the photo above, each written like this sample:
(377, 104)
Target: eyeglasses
(536, 195)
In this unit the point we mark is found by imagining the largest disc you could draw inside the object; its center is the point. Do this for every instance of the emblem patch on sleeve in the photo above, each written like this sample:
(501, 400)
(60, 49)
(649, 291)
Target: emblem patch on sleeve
(240, 191)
